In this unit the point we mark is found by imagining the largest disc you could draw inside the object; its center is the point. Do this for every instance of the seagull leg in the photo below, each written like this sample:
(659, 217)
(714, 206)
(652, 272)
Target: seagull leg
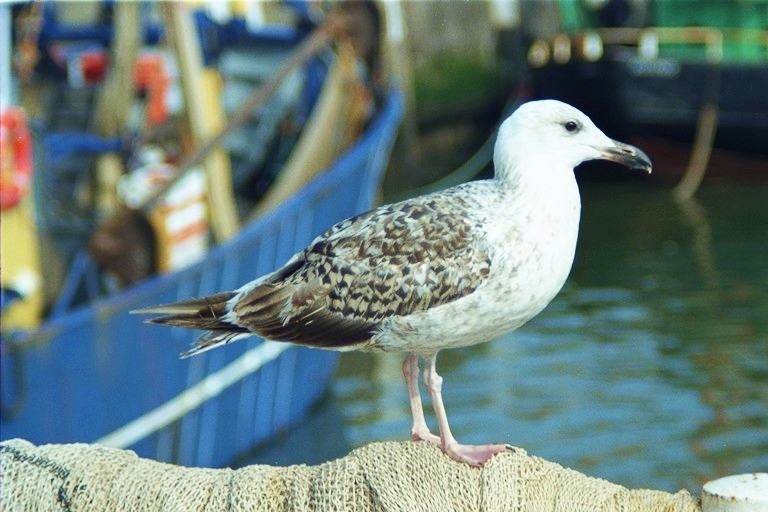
(474, 455)
(419, 430)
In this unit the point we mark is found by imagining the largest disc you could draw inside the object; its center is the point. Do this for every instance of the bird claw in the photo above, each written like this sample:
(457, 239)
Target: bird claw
(426, 436)
(474, 455)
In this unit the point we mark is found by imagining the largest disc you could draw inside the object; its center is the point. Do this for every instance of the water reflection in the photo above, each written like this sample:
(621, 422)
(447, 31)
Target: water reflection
(649, 369)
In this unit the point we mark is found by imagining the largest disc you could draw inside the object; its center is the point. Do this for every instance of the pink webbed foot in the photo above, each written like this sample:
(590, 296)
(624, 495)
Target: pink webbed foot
(474, 455)
(425, 435)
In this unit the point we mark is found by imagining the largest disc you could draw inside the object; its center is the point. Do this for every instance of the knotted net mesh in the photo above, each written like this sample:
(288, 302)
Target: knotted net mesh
(389, 476)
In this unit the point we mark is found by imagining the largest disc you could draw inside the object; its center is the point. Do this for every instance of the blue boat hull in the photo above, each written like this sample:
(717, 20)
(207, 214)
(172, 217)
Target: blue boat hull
(101, 374)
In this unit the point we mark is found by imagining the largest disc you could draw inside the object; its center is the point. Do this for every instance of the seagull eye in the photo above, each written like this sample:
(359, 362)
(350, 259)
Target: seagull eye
(571, 126)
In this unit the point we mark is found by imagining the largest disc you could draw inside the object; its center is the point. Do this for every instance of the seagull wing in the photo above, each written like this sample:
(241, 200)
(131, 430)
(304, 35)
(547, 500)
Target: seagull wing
(395, 260)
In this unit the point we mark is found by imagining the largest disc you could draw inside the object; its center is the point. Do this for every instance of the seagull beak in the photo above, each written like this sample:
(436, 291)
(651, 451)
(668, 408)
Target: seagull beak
(627, 155)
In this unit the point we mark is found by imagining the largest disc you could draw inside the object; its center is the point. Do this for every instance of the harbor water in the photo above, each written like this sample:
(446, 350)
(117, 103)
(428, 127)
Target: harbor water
(650, 368)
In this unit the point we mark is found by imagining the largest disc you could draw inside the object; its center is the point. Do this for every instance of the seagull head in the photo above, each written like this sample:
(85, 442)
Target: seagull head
(550, 134)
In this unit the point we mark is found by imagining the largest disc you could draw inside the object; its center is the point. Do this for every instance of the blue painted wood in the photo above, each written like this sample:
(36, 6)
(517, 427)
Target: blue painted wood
(87, 373)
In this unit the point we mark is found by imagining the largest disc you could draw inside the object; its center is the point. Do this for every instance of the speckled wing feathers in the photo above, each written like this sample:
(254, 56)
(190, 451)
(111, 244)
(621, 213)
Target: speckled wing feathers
(395, 260)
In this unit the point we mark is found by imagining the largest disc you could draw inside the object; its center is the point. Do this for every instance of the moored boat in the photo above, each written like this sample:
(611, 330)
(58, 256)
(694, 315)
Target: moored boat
(96, 373)
(652, 68)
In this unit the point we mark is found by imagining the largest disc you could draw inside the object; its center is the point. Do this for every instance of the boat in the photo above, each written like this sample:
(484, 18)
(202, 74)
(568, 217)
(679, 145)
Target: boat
(94, 373)
(661, 69)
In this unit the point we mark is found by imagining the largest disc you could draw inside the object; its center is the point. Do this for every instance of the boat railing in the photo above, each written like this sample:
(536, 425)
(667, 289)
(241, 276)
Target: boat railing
(589, 44)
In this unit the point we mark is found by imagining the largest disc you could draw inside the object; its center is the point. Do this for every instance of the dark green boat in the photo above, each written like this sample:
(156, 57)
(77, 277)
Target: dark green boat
(649, 68)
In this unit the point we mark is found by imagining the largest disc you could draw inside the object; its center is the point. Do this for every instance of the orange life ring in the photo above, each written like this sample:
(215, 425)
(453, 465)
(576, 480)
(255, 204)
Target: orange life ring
(15, 157)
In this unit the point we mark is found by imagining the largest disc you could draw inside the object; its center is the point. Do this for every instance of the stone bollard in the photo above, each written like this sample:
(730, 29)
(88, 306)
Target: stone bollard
(736, 493)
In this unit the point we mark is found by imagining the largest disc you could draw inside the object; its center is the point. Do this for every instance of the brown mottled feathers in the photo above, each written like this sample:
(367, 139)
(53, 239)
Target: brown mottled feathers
(395, 260)
(392, 261)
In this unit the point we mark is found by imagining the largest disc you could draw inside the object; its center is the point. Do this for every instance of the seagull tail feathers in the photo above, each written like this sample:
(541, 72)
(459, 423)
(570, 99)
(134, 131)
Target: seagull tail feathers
(206, 313)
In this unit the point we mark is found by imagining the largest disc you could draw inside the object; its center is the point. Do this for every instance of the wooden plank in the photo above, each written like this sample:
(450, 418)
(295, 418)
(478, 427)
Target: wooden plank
(114, 102)
(204, 117)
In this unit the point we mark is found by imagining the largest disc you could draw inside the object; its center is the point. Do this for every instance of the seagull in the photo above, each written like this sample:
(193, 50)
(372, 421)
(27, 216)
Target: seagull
(449, 269)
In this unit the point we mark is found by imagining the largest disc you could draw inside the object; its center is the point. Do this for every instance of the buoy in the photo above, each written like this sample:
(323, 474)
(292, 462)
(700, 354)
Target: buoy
(736, 493)
(16, 162)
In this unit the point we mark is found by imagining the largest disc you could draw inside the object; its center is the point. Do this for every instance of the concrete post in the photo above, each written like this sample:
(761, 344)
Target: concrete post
(736, 493)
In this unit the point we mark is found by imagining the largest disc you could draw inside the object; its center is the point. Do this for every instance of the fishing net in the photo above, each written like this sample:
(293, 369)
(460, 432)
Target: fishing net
(387, 476)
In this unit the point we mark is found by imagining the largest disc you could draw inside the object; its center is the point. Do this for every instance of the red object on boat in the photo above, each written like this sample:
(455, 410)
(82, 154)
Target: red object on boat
(15, 157)
(149, 74)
